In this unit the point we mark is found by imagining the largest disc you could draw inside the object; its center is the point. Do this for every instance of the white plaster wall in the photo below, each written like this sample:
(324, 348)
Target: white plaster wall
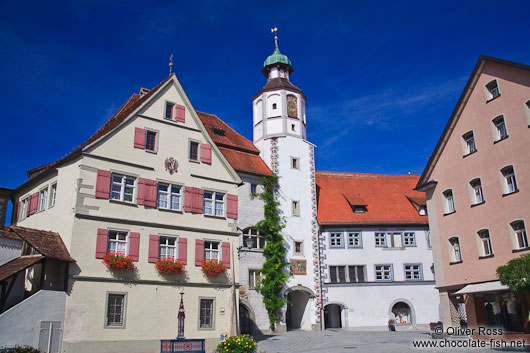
(10, 249)
(258, 111)
(253, 260)
(274, 126)
(274, 98)
(20, 325)
(258, 131)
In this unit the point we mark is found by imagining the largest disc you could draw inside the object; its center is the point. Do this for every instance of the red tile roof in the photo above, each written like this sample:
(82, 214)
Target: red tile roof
(385, 197)
(20, 263)
(242, 155)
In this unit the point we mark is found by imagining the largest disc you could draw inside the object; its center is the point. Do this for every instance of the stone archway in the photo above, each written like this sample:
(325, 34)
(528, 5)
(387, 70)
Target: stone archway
(298, 315)
(402, 311)
(247, 318)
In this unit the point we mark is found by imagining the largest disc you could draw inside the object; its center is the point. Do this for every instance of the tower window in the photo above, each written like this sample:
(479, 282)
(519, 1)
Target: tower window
(293, 127)
(274, 106)
(295, 163)
(296, 208)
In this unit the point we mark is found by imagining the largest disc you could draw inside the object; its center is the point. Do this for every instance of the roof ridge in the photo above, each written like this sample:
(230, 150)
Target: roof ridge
(355, 174)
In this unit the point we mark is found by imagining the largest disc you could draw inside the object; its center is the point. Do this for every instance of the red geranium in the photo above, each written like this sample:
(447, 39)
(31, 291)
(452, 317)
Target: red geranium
(116, 261)
(212, 267)
(169, 266)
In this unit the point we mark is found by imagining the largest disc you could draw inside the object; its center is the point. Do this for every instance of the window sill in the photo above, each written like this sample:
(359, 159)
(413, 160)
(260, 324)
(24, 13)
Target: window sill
(469, 154)
(214, 216)
(492, 99)
(123, 203)
(520, 250)
(449, 213)
(485, 257)
(244, 248)
(509, 193)
(194, 161)
(414, 280)
(502, 139)
(169, 210)
(455, 262)
(478, 204)
(394, 248)
(336, 247)
(354, 247)
(148, 151)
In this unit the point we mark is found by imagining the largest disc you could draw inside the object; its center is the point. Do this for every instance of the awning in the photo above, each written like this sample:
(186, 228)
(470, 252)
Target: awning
(494, 286)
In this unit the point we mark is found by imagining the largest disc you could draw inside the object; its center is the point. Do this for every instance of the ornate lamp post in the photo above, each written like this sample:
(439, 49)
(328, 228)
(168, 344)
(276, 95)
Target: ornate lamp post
(181, 316)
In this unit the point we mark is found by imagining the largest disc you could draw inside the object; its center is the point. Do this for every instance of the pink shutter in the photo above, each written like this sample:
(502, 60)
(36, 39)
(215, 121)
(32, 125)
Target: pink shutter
(180, 113)
(134, 246)
(103, 184)
(27, 206)
(206, 153)
(101, 243)
(150, 193)
(139, 138)
(33, 200)
(16, 210)
(153, 248)
(183, 250)
(226, 254)
(231, 207)
(199, 196)
(140, 196)
(188, 198)
(199, 251)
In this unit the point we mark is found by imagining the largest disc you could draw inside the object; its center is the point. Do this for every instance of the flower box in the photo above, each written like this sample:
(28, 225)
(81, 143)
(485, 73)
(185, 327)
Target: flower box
(392, 325)
(169, 266)
(120, 262)
(212, 267)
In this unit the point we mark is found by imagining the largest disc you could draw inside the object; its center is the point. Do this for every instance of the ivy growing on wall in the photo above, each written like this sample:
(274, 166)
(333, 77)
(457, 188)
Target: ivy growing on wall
(274, 271)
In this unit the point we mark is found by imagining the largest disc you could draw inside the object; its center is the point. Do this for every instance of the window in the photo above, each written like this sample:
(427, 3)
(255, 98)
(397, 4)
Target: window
(167, 247)
(295, 163)
(455, 253)
(355, 240)
(169, 110)
(492, 90)
(469, 143)
(253, 189)
(169, 197)
(477, 195)
(383, 273)
(356, 273)
(335, 240)
(394, 239)
(380, 239)
(519, 231)
(122, 188)
(409, 239)
(43, 199)
(24, 204)
(53, 194)
(254, 278)
(274, 106)
(150, 140)
(485, 243)
(527, 112)
(337, 274)
(413, 272)
(422, 211)
(298, 247)
(116, 310)
(118, 242)
(428, 238)
(449, 201)
(214, 203)
(510, 184)
(296, 208)
(211, 250)
(293, 127)
(206, 313)
(359, 209)
(194, 151)
(500, 128)
(252, 239)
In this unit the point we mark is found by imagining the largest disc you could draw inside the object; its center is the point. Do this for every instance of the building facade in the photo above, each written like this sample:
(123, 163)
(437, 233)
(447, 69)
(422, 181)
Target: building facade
(376, 258)
(477, 183)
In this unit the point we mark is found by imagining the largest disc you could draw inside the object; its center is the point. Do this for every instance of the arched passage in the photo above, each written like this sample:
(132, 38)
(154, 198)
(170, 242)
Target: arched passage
(298, 307)
(402, 311)
(247, 323)
(333, 316)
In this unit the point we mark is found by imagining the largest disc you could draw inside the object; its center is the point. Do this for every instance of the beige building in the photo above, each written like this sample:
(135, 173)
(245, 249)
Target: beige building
(477, 183)
(149, 183)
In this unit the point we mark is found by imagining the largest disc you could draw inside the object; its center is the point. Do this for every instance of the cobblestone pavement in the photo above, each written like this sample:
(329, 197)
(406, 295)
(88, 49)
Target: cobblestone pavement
(340, 341)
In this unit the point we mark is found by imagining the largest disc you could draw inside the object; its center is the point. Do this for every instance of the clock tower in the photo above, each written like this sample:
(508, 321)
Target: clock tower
(280, 133)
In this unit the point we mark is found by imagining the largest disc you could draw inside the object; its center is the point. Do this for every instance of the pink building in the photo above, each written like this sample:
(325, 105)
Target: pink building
(477, 183)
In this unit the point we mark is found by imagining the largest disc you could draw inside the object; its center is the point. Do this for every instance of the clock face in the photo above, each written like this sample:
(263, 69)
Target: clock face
(292, 110)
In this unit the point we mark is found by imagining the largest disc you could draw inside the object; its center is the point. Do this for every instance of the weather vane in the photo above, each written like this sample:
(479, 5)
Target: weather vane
(170, 63)
(275, 31)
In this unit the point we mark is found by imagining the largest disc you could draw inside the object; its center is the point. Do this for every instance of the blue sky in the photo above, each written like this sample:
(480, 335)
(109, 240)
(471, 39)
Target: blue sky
(381, 78)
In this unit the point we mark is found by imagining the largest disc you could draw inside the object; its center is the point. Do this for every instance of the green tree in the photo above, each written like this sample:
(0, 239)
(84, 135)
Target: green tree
(516, 273)
(274, 271)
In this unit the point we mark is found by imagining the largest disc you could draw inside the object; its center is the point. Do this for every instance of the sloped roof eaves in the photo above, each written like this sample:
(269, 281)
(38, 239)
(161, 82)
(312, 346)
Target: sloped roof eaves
(49, 244)
(19, 264)
(246, 162)
(423, 184)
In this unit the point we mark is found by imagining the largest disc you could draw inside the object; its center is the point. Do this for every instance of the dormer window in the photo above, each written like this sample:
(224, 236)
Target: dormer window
(422, 211)
(218, 131)
(492, 90)
(359, 209)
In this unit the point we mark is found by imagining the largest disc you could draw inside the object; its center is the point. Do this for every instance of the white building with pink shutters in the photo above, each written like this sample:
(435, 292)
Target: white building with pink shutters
(149, 184)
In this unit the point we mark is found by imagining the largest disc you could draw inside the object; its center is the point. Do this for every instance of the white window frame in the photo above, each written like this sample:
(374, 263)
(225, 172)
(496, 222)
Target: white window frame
(170, 195)
(301, 252)
(215, 205)
(209, 251)
(163, 242)
(380, 239)
(122, 185)
(253, 233)
(52, 195)
(409, 239)
(519, 234)
(119, 325)
(385, 271)
(484, 240)
(509, 180)
(355, 239)
(489, 90)
(414, 270)
(477, 193)
(295, 208)
(469, 143)
(336, 239)
(23, 213)
(42, 202)
(155, 146)
(198, 143)
(171, 111)
(118, 241)
(500, 130)
(456, 250)
(449, 201)
(212, 312)
(254, 278)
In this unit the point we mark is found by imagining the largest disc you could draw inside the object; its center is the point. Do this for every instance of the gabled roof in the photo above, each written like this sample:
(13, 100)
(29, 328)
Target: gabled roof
(385, 198)
(423, 182)
(242, 155)
(48, 244)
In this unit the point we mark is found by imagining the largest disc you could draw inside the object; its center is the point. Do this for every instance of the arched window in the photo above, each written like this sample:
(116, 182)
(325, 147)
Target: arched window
(455, 253)
(491, 90)
(484, 239)
(477, 195)
(519, 235)
(402, 313)
(508, 180)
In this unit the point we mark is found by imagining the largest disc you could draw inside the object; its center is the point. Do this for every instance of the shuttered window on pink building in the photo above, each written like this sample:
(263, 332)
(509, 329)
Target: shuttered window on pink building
(102, 243)
(139, 138)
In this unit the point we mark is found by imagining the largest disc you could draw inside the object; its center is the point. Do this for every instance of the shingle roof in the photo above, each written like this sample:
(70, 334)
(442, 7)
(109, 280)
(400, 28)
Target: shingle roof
(279, 83)
(49, 244)
(385, 197)
(242, 155)
(20, 263)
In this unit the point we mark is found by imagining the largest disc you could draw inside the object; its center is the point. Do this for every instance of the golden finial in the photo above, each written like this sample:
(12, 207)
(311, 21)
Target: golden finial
(275, 31)
(170, 63)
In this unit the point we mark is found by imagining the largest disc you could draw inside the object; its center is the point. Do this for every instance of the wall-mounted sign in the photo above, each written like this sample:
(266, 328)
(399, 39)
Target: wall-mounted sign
(297, 267)
(171, 165)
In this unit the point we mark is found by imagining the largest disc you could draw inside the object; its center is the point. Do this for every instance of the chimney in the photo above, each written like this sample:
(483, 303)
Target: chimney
(4, 199)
